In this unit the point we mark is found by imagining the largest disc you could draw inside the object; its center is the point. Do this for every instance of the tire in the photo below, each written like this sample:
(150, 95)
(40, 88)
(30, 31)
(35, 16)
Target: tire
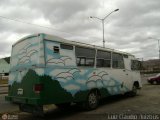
(134, 91)
(92, 101)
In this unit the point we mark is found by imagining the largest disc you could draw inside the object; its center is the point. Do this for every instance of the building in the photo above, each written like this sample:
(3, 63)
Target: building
(4, 68)
(151, 66)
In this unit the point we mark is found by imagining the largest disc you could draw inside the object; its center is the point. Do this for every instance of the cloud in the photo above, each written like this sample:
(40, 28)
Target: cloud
(128, 29)
(72, 87)
(83, 82)
(40, 71)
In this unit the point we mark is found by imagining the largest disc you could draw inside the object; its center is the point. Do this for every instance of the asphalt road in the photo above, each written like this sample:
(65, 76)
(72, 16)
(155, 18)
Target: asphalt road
(6, 107)
(146, 102)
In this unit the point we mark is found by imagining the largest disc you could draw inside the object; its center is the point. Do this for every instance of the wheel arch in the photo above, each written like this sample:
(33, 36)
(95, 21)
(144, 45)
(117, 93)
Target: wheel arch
(96, 90)
(136, 83)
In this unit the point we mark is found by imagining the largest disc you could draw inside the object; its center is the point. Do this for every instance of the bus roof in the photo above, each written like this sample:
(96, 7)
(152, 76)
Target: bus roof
(62, 40)
(26, 37)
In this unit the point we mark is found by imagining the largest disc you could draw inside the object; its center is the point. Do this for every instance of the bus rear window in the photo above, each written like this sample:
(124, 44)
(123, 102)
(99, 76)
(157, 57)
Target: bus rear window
(65, 46)
(25, 52)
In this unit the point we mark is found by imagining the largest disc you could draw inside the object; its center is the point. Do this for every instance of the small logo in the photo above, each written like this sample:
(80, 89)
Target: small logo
(4, 116)
(19, 91)
(9, 117)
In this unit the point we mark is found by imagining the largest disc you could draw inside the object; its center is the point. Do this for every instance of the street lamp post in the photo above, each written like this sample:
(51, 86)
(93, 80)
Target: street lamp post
(159, 50)
(102, 20)
(158, 45)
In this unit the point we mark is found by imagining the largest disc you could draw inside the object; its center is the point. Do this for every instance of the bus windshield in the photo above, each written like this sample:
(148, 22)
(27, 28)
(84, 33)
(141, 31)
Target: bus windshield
(135, 65)
(25, 52)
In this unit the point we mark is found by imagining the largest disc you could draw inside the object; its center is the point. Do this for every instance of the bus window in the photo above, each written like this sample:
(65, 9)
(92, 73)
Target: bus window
(117, 61)
(90, 62)
(125, 56)
(56, 49)
(85, 56)
(65, 46)
(81, 61)
(103, 59)
(135, 65)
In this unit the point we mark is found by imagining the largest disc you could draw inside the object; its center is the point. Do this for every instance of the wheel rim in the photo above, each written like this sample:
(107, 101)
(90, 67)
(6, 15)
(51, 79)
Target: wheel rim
(92, 99)
(154, 82)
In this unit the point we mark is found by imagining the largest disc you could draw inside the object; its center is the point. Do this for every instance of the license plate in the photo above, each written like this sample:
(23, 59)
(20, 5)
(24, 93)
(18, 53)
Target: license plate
(17, 100)
(19, 91)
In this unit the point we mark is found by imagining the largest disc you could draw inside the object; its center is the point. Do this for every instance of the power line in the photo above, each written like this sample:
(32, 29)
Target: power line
(21, 21)
(17, 20)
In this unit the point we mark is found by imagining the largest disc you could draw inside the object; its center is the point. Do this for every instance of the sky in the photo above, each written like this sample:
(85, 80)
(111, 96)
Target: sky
(128, 29)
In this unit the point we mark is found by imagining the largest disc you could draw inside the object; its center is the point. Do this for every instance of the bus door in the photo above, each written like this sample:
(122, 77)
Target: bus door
(128, 73)
(121, 71)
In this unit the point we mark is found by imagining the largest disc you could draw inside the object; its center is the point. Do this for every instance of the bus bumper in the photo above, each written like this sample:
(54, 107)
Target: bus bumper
(30, 105)
(23, 100)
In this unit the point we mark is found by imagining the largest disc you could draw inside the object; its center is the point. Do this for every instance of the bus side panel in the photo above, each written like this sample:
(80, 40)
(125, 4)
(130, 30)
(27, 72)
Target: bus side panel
(53, 92)
(64, 82)
(107, 81)
(137, 77)
(59, 68)
(74, 84)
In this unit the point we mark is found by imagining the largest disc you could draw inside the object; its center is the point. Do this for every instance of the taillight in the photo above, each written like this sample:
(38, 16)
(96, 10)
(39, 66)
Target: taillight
(38, 88)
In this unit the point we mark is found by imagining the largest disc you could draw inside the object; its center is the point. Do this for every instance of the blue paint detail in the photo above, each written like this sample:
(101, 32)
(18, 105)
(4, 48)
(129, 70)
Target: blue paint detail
(18, 54)
(55, 58)
(77, 76)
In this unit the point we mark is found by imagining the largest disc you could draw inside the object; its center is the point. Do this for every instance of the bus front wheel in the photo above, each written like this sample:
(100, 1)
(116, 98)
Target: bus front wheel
(134, 90)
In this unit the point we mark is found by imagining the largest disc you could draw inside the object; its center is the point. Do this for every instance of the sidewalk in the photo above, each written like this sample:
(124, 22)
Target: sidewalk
(6, 107)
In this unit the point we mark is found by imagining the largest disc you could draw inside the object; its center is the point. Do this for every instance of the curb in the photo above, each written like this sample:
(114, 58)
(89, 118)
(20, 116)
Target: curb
(4, 85)
(3, 92)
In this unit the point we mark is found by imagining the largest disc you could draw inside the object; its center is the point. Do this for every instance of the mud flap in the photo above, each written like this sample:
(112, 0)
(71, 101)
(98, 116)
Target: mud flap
(34, 109)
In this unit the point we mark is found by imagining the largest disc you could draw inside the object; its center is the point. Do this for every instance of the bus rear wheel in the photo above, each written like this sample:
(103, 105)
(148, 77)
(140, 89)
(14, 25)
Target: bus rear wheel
(92, 101)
